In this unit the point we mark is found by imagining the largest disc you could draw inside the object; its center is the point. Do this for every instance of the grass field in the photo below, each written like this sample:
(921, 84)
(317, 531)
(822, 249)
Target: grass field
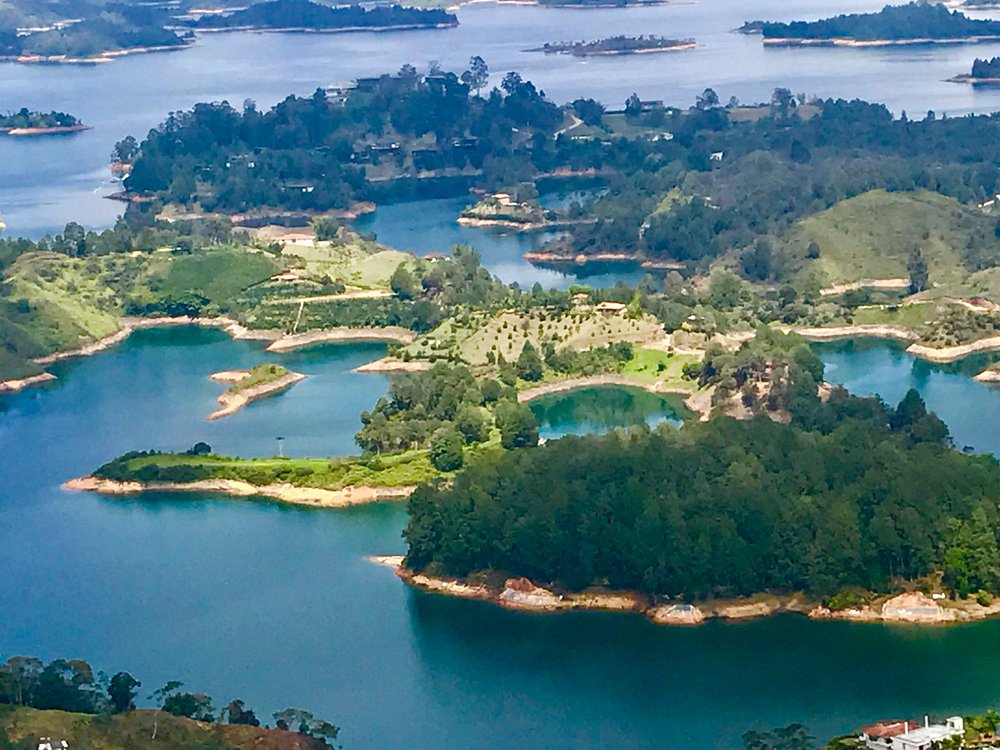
(647, 363)
(908, 316)
(259, 375)
(872, 236)
(358, 263)
(218, 275)
(506, 333)
(403, 469)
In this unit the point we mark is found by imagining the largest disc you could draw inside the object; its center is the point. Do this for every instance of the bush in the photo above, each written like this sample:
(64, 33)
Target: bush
(446, 449)
(984, 598)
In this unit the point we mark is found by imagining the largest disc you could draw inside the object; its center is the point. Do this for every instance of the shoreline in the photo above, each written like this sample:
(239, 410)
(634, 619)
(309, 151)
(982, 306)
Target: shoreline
(543, 258)
(106, 56)
(279, 341)
(339, 30)
(230, 403)
(53, 130)
(522, 594)
(865, 43)
(285, 493)
(966, 78)
(615, 52)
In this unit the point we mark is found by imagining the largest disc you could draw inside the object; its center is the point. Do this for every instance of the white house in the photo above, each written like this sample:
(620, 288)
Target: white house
(899, 734)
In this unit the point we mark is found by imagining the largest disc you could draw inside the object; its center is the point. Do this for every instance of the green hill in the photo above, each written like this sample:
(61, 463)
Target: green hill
(873, 235)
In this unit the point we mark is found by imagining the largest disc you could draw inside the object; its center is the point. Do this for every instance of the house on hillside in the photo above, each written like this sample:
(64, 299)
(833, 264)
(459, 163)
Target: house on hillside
(611, 308)
(902, 734)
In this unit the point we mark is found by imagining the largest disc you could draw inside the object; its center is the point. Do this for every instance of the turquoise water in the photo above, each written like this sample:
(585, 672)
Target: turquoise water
(277, 605)
(596, 410)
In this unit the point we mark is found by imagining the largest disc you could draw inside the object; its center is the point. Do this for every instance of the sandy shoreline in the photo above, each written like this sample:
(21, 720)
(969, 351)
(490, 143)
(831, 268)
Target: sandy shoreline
(280, 342)
(879, 331)
(230, 403)
(391, 364)
(524, 595)
(286, 493)
(615, 52)
(54, 130)
(332, 335)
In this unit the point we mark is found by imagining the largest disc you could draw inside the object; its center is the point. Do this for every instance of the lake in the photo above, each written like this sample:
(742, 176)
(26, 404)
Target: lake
(277, 605)
(46, 182)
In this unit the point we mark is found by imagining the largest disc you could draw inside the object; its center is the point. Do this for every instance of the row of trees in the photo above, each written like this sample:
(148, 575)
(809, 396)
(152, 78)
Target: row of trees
(73, 685)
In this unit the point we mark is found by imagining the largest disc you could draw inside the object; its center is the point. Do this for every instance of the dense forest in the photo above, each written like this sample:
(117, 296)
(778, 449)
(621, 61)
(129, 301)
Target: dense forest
(72, 685)
(852, 493)
(303, 14)
(915, 20)
(986, 68)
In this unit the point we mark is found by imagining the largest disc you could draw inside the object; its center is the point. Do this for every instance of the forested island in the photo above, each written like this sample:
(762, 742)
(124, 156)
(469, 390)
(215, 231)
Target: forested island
(25, 122)
(82, 32)
(984, 73)
(705, 512)
(304, 15)
(68, 701)
(93, 31)
(618, 45)
(917, 22)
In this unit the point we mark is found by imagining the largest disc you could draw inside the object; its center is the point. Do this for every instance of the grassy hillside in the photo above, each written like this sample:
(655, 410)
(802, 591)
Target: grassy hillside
(24, 726)
(873, 235)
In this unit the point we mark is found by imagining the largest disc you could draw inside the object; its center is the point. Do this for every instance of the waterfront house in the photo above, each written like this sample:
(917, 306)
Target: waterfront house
(902, 734)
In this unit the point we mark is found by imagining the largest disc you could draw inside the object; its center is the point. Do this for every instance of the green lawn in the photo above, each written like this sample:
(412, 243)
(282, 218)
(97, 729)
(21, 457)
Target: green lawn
(908, 316)
(646, 364)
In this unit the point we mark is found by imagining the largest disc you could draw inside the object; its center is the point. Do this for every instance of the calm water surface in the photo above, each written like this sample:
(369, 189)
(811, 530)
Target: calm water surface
(278, 606)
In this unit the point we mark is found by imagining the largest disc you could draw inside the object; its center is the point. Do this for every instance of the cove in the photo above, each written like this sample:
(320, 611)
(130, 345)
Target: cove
(277, 605)
(597, 410)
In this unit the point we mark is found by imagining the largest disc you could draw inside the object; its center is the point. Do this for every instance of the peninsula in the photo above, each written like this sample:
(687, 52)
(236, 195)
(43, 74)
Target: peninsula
(24, 123)
(618, 45)
(252, 385)
(503, 210)
(914, 23)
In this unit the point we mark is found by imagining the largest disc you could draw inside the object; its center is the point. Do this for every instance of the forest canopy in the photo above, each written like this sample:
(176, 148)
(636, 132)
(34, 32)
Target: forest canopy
(852, 493)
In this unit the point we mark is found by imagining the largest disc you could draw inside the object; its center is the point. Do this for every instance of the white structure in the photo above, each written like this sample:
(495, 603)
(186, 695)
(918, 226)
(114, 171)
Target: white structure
(898, 734)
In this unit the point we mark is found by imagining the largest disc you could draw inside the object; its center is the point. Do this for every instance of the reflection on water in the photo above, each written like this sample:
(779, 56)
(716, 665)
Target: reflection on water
(597, 410)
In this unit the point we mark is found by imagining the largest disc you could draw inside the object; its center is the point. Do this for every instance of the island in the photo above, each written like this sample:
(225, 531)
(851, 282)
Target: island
(252, 385)
(24, 122)
(984, 73)
(618, 45)
(503, 210)
(914, 23)
(689, 541)
(304, 15)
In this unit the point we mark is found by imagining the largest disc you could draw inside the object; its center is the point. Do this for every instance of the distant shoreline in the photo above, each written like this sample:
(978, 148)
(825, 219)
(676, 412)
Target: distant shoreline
(973, 80)
(862, 43)
(341, 30)
(101, 57)
(582, 51)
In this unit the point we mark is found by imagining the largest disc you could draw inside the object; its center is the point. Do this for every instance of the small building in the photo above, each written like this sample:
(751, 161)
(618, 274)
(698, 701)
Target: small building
(718, 156)
(902, 734)
(611, 308)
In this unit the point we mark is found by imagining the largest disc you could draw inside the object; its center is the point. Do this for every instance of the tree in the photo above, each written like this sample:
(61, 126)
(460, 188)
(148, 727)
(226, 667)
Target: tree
(478, 74)
(197, 706)
(530, 366)
(917, 268)
(446, 449)
(159, 696)
(403, 283)
(708, 99)
(238, 713)
(199, 449)
(633, 106)
(121, 691)
(517, 423)
(125, 150)
(473, 421)
(326, 228)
